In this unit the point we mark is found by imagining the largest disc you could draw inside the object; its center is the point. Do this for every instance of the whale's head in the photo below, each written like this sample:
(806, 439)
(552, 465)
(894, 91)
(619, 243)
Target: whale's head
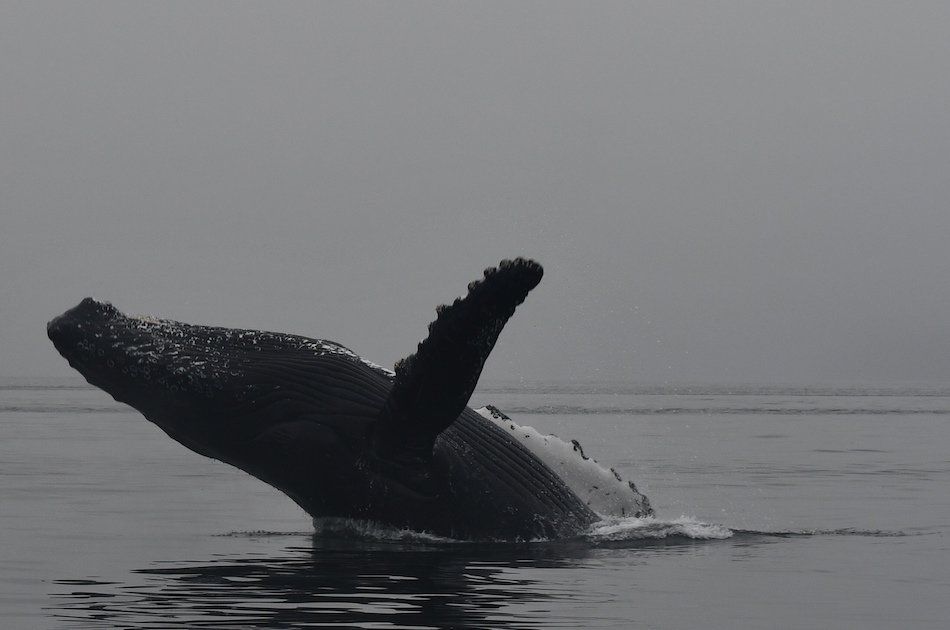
(283, 407)
(147, 362)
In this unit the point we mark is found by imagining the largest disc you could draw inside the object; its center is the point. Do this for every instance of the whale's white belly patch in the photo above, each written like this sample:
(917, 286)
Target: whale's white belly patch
(600, 488)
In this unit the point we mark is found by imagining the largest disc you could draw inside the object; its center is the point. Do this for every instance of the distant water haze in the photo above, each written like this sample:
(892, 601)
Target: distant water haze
(727, 192)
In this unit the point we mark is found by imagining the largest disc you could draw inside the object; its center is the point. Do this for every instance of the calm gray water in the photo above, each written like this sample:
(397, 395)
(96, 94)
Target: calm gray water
(833, 507)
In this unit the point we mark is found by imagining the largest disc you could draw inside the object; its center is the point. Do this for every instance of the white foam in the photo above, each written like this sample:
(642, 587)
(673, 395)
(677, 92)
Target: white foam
(616, 529)
(600, 488)
(609, 530)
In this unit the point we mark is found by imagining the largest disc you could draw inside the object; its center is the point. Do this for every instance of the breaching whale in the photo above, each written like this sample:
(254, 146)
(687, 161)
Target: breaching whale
(343, 437)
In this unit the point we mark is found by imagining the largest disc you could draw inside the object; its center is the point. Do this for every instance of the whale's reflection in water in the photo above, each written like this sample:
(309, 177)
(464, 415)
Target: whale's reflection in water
(334, 582)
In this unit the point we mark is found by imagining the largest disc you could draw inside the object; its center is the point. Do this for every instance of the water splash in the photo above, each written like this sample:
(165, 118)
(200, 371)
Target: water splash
(620, 529)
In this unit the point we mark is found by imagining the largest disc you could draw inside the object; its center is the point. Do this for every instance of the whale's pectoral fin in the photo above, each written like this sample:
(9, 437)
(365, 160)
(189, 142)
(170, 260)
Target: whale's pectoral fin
(432, 386)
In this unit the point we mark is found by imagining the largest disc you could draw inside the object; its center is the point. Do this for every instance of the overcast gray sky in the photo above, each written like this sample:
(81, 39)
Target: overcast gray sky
(719, 191)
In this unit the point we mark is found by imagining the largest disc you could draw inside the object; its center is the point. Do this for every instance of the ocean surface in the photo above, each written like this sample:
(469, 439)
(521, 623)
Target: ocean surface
(776, 507)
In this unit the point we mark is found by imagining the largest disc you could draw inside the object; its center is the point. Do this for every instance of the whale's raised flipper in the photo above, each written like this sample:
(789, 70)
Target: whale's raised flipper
(432, 386)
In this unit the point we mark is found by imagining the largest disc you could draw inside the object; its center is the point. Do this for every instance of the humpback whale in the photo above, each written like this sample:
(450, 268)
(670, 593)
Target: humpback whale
(341, 436)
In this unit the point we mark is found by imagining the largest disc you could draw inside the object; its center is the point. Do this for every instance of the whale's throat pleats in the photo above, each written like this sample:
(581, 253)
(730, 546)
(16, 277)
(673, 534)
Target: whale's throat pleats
(327, 385)
(499, 456)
